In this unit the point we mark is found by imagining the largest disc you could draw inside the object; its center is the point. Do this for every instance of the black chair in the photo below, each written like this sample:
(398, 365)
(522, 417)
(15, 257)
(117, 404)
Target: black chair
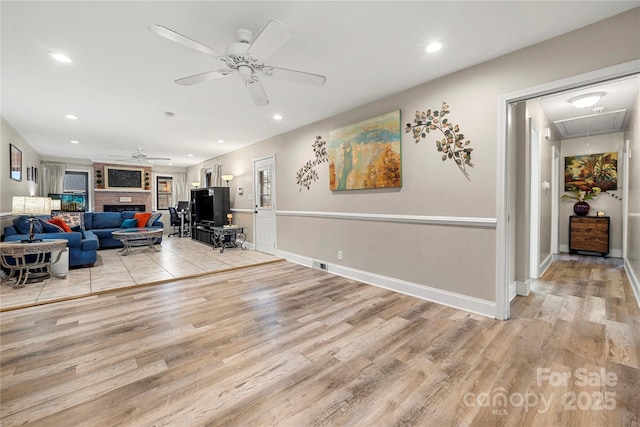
(175, 221)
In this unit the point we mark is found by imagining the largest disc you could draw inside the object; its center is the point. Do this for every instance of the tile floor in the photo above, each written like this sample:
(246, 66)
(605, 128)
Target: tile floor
(179, 257)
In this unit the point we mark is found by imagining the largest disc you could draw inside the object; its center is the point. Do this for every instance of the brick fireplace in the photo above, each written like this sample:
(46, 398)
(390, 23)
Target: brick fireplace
(120, 199)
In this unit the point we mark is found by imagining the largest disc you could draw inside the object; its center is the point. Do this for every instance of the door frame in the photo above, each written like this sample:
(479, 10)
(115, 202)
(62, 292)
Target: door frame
(503, 303)
(534, 203)
(273, 200)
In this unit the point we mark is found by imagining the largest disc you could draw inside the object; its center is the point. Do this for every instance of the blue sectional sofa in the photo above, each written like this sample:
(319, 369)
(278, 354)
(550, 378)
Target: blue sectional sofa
(94, 234)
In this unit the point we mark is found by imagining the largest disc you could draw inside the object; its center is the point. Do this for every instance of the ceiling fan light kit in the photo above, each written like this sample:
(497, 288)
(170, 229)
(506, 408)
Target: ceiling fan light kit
(245, 57)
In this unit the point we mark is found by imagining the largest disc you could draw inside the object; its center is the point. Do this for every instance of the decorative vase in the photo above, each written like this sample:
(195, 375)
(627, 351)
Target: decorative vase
(581, 208)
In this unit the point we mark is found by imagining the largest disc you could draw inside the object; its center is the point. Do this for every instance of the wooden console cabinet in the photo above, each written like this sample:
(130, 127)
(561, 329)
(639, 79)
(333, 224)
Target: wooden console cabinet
(589, 233)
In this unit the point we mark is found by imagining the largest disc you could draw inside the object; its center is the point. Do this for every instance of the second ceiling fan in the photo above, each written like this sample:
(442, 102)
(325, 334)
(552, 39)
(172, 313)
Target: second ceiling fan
(246, 58)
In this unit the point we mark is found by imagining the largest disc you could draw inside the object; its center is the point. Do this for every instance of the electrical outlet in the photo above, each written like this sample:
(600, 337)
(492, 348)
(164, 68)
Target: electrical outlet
(340, 255)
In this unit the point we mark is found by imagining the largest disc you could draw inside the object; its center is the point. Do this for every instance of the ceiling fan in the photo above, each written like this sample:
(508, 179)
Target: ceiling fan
(245, 58)
(139, 156)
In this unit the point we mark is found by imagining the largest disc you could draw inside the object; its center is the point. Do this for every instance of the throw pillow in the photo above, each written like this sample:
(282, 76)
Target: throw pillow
(129, 223)
(79, 230)
(48, 227)
(154, 216)
(22, 225)
(71, 218)
(143, 218)
(60, 223)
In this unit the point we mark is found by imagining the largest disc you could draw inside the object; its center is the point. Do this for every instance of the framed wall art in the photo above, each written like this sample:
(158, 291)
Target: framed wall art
(366, 154)
(15, 163)
(591, 170)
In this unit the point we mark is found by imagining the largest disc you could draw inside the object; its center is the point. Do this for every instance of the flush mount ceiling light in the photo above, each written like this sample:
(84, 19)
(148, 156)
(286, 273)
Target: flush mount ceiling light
(71, 117)
(73, 141)
(60, 57)
(220, 141)
(586, 100)
(433, 47)
(190, 155)
(277, 117)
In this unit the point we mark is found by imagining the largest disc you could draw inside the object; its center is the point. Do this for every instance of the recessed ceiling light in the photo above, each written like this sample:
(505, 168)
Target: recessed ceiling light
(71, 117)
(190, 155)
(586, 100)
(170, 164)
(73, 141)
(433, 47)
(277, 117)
(221, 141)
(60, 57)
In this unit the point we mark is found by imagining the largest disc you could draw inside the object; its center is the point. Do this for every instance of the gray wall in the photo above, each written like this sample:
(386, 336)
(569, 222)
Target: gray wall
(9, 187)
(451, 258)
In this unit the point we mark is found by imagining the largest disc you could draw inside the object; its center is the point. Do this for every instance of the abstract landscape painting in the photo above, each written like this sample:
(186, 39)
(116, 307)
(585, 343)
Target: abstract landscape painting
(591, 170)
(366, 154)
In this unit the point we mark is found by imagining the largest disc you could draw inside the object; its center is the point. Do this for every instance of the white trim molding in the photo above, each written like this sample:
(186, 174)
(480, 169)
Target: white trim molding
(414, 219)
(440, 296)
(633, 281)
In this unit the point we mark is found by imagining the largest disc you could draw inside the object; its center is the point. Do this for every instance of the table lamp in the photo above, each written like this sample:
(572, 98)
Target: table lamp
(24, 205)
(230, 217)
(56, 205)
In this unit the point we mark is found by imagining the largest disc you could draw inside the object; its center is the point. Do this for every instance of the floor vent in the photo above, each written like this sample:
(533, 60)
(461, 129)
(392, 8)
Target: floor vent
(320, 265)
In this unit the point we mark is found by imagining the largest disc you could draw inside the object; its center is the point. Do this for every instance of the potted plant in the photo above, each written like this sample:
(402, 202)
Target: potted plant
(581, 207)
(99, 181)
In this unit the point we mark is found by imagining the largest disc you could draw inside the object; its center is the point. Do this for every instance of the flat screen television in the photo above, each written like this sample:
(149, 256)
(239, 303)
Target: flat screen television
(71, 202)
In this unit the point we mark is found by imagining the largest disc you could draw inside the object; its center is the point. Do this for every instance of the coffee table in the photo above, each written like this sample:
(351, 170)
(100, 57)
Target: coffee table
(38, 266)
(134, 237)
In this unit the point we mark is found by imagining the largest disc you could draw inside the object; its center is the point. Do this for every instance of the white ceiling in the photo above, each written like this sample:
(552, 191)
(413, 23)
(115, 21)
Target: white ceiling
(120, 83)
(610, 114)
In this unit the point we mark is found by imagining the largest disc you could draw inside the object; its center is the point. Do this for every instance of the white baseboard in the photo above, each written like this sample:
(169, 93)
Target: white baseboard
(523, 288)
(512, 291)
(440, 296)
(633, 280)
(613, 253)
(544, 266)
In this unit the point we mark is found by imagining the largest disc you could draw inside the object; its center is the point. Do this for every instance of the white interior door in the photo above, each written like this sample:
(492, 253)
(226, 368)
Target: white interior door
(265, 205)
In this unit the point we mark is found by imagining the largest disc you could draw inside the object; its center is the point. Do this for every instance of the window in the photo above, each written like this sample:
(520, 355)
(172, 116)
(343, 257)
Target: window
(264, 187)
(164, 188)
(77, 182)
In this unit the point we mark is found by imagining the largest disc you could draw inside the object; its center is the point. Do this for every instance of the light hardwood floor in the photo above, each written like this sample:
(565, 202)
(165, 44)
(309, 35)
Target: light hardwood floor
(285, 345)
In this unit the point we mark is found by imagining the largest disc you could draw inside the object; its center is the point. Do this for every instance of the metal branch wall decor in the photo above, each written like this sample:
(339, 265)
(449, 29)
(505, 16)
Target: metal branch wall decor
(452, 146)
(307, 174)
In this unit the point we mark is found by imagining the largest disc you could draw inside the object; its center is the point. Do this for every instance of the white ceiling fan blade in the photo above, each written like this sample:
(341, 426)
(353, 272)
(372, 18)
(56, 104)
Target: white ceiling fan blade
(257, 93)
(293, 76)
(185, 41)
(203, 77)
(157, 158)
(272, 36)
